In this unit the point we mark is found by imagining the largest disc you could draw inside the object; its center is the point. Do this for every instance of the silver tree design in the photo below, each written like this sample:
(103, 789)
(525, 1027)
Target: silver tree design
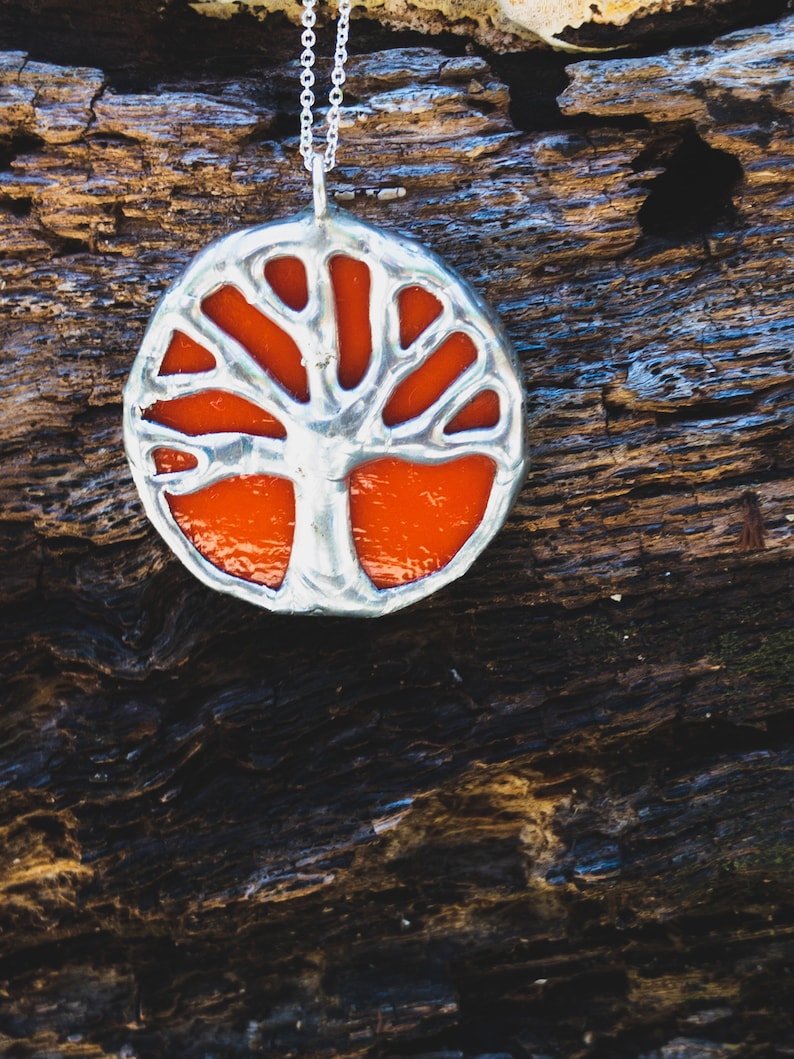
(336, 414)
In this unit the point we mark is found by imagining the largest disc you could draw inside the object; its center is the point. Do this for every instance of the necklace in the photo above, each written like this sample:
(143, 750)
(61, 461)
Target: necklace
(323, 417)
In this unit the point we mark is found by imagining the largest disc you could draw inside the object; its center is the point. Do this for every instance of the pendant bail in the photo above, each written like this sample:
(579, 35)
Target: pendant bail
(318, 184)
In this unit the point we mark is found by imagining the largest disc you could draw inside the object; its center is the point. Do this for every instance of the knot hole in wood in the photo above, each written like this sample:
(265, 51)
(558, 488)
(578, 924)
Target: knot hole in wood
(695, 189)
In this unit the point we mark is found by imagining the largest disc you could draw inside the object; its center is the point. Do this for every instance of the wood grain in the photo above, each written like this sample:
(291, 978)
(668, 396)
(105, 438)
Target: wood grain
(546, 813)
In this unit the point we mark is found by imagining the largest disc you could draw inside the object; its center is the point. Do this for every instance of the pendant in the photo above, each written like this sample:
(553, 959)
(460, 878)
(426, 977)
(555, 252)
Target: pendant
(324, 418)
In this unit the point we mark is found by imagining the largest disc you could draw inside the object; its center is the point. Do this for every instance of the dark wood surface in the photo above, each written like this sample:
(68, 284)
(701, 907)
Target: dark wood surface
(547, 812)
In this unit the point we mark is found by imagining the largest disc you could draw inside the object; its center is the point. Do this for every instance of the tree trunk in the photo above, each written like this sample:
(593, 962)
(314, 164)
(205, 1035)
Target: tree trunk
(545, 812)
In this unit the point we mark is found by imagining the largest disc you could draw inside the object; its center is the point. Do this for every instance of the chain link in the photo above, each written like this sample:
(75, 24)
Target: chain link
(335, 96)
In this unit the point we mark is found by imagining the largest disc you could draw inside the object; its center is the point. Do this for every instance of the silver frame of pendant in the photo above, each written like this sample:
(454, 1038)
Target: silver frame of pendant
(337, 429)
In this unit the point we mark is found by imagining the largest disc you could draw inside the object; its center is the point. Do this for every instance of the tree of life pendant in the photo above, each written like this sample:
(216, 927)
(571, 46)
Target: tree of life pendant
(324, 418)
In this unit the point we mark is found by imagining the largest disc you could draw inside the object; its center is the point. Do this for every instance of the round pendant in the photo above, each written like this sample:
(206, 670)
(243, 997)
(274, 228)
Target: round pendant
(324, 418)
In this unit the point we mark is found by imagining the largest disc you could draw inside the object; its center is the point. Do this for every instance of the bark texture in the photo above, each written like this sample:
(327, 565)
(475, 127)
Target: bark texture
(547, 812)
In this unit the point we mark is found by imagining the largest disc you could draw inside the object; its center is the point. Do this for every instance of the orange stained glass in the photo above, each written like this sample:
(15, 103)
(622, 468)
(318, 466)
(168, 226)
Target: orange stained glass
(214, 412)
(481, 411)
(244, 525)
(269, 345)
(350, 281)
(185, 356)
(168, 460)
(428, 382)
(410, 519)
(418, 308)
(287, 277)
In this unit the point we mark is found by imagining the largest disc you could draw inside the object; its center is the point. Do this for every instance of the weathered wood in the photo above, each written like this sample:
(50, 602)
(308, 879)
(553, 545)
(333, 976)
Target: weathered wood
(547, 812)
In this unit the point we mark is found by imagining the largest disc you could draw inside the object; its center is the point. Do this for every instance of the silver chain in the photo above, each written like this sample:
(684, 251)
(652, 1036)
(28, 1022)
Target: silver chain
(307, 98)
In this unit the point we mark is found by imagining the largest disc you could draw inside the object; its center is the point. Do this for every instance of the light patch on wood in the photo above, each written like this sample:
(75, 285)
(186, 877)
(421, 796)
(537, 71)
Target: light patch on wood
(490, 801)
(42, 872)
(548, 18)
(501, 23)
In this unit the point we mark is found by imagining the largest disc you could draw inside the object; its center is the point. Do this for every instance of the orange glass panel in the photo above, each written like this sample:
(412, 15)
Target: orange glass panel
(184, 356)
(244, 525)
(425, 385)
(214, 412)
(481, 411)
(287, 277)
(350, 281)
(269, 345)
(418, 309)
(410, 519)
(168, 460)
